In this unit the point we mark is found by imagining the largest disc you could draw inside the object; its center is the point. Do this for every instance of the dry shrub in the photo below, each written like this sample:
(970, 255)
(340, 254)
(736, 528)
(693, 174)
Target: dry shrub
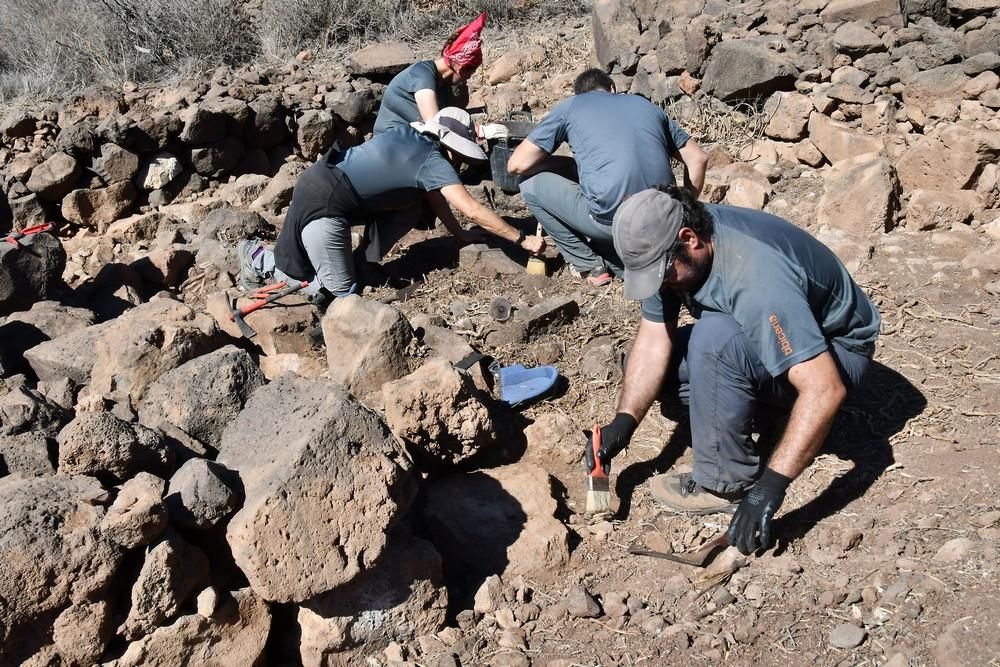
(51, 48)
(713, 122)
(48, 47)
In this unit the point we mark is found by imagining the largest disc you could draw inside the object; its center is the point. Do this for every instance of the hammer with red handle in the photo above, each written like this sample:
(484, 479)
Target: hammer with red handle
(261, 298)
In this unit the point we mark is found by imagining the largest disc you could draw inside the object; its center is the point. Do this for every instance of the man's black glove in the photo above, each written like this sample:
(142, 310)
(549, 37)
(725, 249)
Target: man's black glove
(614, 438)
(750, 528)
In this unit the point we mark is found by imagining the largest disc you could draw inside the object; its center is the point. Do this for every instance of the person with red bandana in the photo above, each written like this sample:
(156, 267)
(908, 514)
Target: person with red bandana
(422, 89)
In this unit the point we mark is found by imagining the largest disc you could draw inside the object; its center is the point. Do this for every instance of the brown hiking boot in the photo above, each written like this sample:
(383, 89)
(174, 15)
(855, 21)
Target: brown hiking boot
(680, 493)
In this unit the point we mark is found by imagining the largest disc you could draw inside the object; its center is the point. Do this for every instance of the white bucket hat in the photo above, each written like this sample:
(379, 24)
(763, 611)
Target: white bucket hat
(454, 128)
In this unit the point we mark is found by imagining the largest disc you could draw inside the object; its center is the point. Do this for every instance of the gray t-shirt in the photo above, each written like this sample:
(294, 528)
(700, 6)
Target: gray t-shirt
(392, 170)
(789, 292)
(399, 104)
(621, 143)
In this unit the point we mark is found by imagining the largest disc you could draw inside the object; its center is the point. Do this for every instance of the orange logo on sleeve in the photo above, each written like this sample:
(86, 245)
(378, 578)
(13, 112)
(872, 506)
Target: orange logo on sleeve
(786, 347)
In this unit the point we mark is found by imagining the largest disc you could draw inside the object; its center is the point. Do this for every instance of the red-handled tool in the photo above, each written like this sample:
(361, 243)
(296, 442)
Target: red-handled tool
(261, 297)
(14, 238)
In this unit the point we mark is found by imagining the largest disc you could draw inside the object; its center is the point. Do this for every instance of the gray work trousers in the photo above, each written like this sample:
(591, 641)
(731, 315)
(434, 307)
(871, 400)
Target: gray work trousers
(563, 211)
(327, 242)
(725, 386)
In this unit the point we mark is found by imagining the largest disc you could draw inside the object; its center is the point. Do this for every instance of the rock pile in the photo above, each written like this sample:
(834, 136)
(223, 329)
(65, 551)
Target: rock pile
(162, 496)
(901, 99)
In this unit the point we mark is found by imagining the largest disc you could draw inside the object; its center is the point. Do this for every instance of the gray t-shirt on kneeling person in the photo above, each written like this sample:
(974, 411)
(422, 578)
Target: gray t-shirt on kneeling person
(399, 103)
(392, 170)
(790, 293)
(621, 143)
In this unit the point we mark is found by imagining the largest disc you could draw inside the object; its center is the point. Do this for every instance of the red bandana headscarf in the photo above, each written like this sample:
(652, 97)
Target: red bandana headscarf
(465, 53)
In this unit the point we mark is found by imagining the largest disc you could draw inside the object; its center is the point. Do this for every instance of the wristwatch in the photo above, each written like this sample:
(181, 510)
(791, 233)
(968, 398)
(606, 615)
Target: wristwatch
(520, 237)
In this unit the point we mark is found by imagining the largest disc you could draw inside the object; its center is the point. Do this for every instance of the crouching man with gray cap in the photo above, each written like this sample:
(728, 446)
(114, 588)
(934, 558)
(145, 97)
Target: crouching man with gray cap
(364, 186)
(780, 325)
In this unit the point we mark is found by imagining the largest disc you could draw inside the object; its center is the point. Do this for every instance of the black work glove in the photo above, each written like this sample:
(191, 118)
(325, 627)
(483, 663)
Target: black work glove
(614, 438)
(750, 528)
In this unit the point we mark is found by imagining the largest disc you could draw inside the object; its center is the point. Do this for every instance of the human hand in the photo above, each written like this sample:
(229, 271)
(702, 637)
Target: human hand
(614, 438)
(750, 528)
(533, 244)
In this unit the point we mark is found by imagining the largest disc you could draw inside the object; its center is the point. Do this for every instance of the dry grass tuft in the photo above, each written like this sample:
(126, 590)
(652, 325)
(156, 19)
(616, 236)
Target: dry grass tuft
(52, 48)
(712, 122)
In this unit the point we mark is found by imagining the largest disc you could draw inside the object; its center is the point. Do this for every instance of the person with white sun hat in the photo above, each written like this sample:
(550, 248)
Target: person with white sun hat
(362, 187)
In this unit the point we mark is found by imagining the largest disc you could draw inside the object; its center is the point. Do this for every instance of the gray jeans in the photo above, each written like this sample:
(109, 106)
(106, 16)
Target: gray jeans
(564, 213)
(725, 386)
(328, 244)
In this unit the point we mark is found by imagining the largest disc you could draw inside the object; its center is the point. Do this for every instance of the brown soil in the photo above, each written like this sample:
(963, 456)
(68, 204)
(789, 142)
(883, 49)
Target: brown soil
(911, 465)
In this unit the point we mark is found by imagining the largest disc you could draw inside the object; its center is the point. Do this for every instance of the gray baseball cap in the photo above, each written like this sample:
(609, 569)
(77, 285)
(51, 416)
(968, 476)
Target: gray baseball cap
(644, 228)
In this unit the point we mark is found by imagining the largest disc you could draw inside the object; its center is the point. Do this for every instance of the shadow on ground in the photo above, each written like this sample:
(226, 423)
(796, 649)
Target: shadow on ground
(861, 434)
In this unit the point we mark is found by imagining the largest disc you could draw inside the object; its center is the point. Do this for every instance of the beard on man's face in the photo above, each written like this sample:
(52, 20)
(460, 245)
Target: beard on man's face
(688, 274)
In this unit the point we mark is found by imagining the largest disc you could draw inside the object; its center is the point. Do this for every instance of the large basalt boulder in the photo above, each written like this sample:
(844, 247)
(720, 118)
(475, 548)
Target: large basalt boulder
(146, 342)
(270, 125)
(384, 58)
(199, 496)
(950, 159)
(235, 634)
(82, 632)
(103, 445)
(940, 209)
(439, 414)
(400, 599)
(789, 116)
(318, 508)
(98, 207)
(28, 454)
(138, 514)
(171, 572)
(44, 321)
(926, 88)
(52, 555)
(115, 164)
(284, 327)
(879, 12)
(746, 68)
(68, 356)
(860, 196)
(203, 395)
(30, 271)
(232, 225)
(507, 512)
(616, 34)
(836, 141)
(53, 179)
(365, 344)
(315, 133)
(23, 409)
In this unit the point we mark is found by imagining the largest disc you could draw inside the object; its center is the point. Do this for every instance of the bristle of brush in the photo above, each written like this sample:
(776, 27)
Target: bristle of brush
(598, 501)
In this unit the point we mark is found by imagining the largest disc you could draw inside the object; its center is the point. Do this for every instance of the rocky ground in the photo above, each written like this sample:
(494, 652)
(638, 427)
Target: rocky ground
(334, 492)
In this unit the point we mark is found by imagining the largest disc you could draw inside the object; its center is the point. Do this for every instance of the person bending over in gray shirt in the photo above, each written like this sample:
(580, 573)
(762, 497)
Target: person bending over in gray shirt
(781, 327)
(389, 172)
(622, 144)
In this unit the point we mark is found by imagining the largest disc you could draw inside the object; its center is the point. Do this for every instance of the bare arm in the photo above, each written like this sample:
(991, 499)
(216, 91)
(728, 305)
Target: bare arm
(443, 212)
(694, 159)
(459, 198)
(427, 103)
(647, 367)
(528, 159)
(820, 393)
